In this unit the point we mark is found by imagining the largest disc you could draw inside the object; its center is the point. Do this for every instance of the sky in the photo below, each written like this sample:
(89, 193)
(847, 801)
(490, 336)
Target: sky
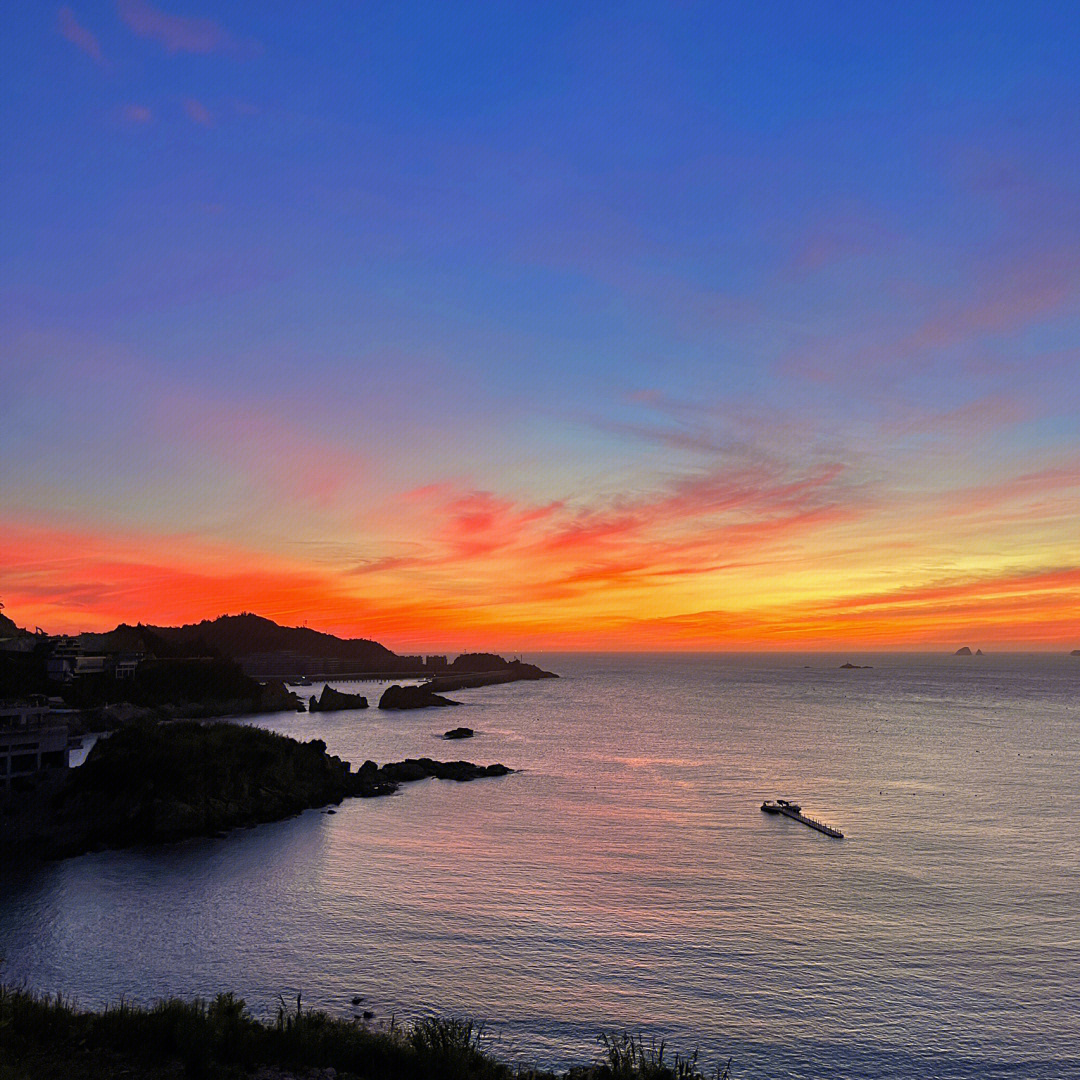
(636, 326)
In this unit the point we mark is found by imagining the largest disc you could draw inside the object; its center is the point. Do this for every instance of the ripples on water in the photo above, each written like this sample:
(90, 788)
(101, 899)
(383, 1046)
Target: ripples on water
(626, 880)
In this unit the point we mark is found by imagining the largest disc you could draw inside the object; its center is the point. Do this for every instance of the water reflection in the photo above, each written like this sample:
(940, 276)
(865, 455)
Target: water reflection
(627, 879)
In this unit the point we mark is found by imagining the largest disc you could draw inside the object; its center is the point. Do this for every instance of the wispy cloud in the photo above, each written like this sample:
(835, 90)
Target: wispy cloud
(850, 233)
(138, 114)
(79, 36)
(178, 33)
(694, 525)
(198, 113)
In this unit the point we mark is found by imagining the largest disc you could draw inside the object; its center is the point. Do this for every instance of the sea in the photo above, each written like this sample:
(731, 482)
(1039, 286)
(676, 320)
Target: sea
(625, 879)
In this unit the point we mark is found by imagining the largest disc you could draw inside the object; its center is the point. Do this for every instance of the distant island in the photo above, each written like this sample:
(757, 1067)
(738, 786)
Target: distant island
(965, 651)
(157, 783)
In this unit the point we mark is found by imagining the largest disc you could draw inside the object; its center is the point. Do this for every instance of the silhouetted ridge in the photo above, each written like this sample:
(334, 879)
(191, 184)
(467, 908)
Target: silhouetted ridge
(8, 629)
(240, 635)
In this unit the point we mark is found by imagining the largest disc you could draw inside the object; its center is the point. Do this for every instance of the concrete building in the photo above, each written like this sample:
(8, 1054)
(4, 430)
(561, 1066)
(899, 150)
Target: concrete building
(72, 659)
(30, 742)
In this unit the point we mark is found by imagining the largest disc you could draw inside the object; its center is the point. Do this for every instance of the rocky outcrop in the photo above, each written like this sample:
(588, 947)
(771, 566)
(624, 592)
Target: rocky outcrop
(275, 696)
(412, 697)
(333, 700)
(856, 667)
(156, 783)
(371, 780)
(459, 733)
(965, 651)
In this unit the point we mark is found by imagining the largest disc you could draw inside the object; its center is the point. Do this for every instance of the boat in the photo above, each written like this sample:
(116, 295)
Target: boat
(780, 807)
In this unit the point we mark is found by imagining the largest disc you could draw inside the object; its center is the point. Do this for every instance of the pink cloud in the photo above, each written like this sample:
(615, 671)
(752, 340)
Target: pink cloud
(266, 446)
(1031, 290)
(179, 33)
(138, 114)
(198, 112)
(849, 234)
(690, 525)
(78, 35)
(984, 414)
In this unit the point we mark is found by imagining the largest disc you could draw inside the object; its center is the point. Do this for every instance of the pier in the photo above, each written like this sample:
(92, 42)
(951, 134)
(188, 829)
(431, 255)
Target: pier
(791, 810)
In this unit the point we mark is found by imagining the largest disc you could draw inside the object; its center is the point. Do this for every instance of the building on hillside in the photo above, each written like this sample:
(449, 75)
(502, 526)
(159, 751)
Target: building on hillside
(73, 658)
(31, 741)
(127, 664)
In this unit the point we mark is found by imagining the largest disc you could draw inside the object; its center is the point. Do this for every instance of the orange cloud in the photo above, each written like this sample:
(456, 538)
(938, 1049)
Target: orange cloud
(754, 554)
(1020, 610)
(66, 580)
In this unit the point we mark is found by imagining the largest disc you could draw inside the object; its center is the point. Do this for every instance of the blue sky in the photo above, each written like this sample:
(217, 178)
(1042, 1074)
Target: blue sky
(547, 253)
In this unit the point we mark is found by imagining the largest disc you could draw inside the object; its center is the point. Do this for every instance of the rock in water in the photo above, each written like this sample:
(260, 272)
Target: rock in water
(412, 697)
(965, 651)
(370, 780)
(332, 700)
(459, 733)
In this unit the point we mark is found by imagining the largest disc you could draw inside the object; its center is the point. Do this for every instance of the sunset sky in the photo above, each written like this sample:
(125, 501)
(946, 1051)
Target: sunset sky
(528, 326)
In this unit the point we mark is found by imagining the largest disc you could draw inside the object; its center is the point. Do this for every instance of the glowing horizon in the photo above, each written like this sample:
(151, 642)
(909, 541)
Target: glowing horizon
(672, 330)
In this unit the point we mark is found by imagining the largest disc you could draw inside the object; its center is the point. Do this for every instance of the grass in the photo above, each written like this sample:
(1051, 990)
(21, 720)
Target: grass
(47, 1038)
(627, 1057)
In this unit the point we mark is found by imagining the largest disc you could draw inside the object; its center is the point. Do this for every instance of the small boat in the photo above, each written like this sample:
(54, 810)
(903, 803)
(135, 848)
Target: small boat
(780, 807)
(302, 681)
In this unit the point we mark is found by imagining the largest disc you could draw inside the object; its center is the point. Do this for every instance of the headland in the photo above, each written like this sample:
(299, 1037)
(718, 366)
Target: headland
(159, 783)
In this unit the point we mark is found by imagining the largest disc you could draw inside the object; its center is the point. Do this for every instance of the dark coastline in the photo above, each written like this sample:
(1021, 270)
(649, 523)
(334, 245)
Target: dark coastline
(160, 783)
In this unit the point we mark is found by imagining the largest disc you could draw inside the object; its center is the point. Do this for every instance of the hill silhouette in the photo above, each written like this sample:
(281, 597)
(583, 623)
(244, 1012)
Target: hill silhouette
(234, 636)
(8, 629)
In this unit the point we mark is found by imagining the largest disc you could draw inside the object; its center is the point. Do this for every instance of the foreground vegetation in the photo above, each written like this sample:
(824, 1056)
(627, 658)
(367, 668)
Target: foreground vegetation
(47, 1038)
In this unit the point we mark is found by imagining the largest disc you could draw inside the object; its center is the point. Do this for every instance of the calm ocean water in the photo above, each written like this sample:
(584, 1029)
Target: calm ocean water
(627, 880)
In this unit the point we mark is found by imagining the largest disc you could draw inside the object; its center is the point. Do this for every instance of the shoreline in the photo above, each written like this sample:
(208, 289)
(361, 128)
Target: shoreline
(152, 784)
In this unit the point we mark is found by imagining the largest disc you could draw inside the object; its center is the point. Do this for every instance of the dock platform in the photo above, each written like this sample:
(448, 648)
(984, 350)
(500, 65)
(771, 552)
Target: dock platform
(793, 811)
